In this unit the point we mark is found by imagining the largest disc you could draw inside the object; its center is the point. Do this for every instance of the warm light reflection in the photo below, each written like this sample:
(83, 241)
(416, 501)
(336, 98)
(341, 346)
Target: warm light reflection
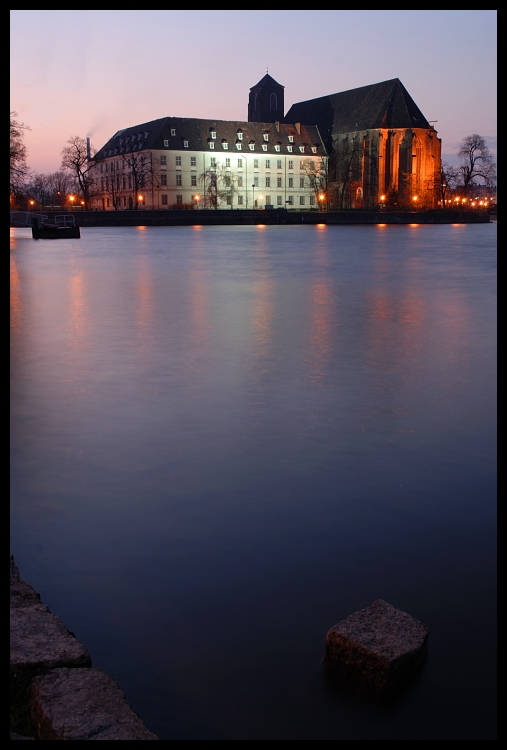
(78, 314)
(381, 225)
(141, 227)
(260, 226)
(197, 226)
(413, 225)
(320, 332)
(321, 226)
(15, 298)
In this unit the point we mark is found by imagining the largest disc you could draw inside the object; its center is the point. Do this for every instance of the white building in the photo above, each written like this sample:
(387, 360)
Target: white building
(178, 162)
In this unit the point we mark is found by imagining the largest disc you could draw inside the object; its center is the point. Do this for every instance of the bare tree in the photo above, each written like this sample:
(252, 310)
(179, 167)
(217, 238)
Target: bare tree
(346, 167)
(318, 174)
(139, 170)
(476, 162)
(75, 158)
(19, 170)
(219, 185)
(52, 189)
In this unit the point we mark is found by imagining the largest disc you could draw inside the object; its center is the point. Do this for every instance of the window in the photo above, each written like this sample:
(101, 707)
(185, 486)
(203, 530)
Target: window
(240, 200)
(240, 163)
(301, 182)
(163, 160)
(179, 200)
(264, 147)
(278, 200)
(213, 134)
(101, 168)
(268, 163)
(312, 200)
(302, 149)
(290, 200)
(265, 136)
(178, 161)
(291, 164)
(268, 182)
(289, 149)
(252, 146)
(301, 200)
(225, 145)
(193, 161)
(277, 147)
(164, 200)
(213, 161)
(238, 146)
(166, 144)
(268, 200)
(278, 163)
(227, 162)
(291, 139)
(240, 135)
(291, 182)
(256, 164)
(314, 149)
(185, 144)
(229, 200)
(178, 179)
(173, 131)
(163, 179)
(256, 181)
(240, 182)
(211, 145)
(279, 182)
(193, 180)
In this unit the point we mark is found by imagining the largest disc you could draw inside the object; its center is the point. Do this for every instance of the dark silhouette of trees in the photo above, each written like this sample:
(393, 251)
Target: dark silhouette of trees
(19, 170)
(476, 162)
(75, 158)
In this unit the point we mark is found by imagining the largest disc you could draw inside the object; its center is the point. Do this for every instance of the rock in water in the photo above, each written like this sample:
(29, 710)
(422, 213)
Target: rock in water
(381, 645)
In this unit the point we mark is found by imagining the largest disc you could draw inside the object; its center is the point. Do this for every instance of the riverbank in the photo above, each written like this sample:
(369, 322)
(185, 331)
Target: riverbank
(55, 693)
(247, 217)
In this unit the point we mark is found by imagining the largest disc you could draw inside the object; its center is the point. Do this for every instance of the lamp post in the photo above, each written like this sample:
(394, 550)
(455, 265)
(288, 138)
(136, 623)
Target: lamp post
(322, 198)
(72, 199)
(415, 199)
(140, 199)
(197, 199)
(253, 196)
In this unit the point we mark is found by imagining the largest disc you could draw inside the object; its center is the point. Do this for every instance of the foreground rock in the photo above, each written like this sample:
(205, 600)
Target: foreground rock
(83, 704)
(379, 645)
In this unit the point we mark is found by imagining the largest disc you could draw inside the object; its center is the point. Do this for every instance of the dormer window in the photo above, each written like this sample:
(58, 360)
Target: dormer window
(302, 149)
(289, 149)
(314, 149)
(265, 136)
(166, 144)
(238, 146)
(252, 146)
(291, 139)
(264, 147)
(213, 134)
(211, 144)
(185, 144)
(173, 131)
(277, 147)
(240, 135)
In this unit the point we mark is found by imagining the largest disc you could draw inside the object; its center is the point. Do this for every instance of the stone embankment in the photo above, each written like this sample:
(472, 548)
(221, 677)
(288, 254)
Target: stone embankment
(66, 697)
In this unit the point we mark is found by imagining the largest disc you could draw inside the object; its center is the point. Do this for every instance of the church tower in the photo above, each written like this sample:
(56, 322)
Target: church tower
(265, 103)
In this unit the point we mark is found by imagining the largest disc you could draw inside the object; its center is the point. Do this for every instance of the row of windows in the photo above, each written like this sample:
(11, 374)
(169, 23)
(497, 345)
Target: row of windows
(251, 146)
(303, 182)
(239, 134)
(279, 200)
(267, 162)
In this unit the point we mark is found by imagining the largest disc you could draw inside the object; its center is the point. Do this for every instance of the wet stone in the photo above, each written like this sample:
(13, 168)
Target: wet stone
(83, 704)
(379, 645)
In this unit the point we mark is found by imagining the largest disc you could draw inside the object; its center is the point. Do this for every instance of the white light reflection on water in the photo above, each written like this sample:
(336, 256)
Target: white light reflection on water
(224, 440)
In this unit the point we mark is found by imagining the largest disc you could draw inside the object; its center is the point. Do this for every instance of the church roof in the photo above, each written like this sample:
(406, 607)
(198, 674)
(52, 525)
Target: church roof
(267, 80)
(380, 105)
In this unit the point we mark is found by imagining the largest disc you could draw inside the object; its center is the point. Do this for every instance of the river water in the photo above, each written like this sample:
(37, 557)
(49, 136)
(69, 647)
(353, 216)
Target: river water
(225, 440)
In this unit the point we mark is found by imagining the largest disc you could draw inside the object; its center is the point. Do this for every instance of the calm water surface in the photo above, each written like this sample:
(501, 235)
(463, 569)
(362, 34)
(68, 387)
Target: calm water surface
(226, 440)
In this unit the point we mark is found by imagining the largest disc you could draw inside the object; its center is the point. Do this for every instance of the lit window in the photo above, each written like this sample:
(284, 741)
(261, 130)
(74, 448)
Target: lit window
(240, 163)
(268, 182)
(163, 159)
(185, 144)
(265, 136)
(277, 147)
(278, 200)
(291, 139)
(291, 182)
(301, 182)
(178, 161)
(178, 179)
(279, 182)
(256, 164)
(211, 145)
(291, 164)
(173, 131)
(264, 147)
(268, 163)
(240, 135)
(193, 180)
(163, 179)
(301, 200)
(193, 161)
(164, 200)
(227, 162)
(289, 149)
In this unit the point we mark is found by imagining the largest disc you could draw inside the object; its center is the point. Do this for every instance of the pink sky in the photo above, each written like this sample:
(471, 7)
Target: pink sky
(93, 72)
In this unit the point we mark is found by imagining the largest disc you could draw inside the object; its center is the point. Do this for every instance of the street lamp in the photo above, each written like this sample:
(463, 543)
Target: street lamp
(321, 199)
(197, 199)
(140, 200)
(253, 196)
(31, 204)
(72, 199)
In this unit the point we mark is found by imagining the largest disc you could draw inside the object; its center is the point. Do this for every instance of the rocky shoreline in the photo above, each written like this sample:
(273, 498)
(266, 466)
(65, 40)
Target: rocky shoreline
(57, 692)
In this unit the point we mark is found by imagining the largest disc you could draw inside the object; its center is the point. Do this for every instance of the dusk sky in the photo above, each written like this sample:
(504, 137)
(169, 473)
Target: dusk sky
(92, 72)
